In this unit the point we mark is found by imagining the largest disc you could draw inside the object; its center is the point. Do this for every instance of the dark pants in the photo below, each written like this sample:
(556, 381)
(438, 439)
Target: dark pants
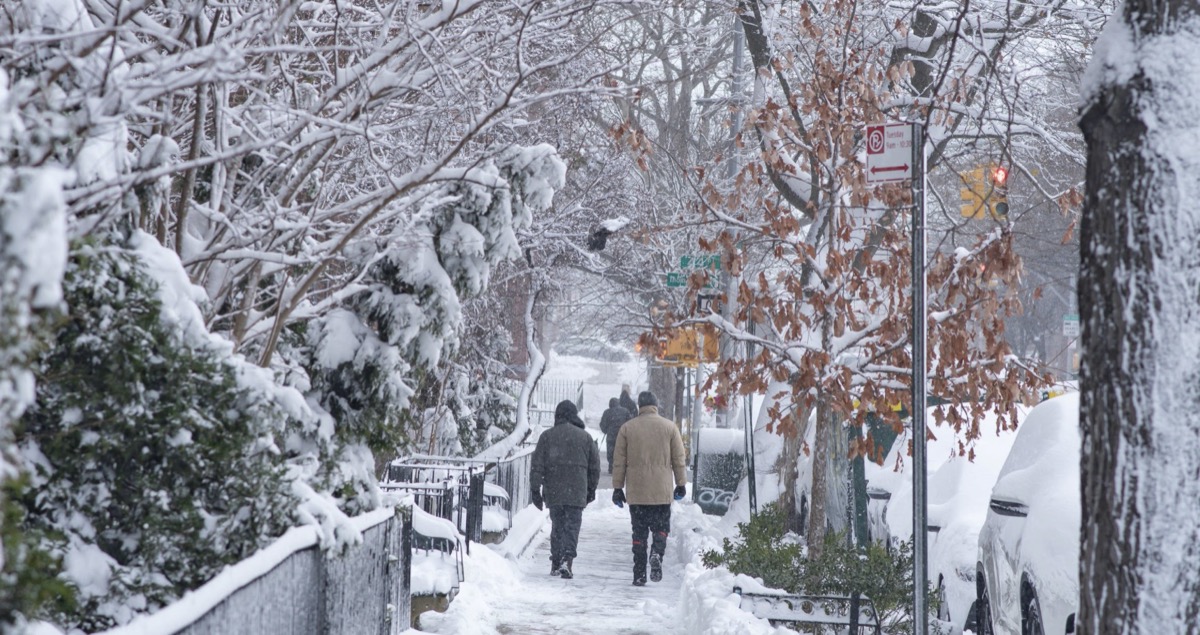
(612, 449)
(565, 521)
(654, 520)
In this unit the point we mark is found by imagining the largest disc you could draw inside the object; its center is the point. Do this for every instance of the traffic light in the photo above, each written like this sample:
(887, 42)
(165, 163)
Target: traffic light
(985, 192)
(998, 199)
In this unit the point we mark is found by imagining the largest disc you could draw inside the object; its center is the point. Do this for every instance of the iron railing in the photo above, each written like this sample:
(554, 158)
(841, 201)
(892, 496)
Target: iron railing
(447, 487)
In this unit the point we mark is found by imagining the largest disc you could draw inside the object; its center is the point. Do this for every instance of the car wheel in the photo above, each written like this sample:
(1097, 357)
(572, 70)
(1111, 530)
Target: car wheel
(983, 607)
(1031, 615)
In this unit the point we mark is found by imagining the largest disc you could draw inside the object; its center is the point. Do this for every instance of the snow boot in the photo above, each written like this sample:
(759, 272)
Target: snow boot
(565, 570)
(655, 567)
(555, 567)
(639, 580)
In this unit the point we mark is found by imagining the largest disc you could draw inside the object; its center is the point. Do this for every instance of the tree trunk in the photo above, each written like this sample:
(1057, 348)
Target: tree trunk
(819, 499)
(1140, 408)
(793, 446)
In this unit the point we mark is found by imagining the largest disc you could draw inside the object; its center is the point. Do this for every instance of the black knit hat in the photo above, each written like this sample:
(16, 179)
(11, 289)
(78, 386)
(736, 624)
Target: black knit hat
(647, 398)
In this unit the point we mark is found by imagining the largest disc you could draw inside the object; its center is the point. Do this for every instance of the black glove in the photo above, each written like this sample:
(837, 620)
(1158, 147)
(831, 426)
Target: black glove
(680, 492)
(619, 497)
(591, 495)
(536, 497)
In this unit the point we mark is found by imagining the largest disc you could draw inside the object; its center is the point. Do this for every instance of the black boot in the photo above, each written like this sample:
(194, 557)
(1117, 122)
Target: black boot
(555, 567)
(639, 567)
(655, 567)
(565, 570)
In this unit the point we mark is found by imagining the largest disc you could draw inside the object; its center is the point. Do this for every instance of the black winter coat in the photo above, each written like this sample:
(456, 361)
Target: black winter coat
(628, 405)
(610, 424)
(566, 464)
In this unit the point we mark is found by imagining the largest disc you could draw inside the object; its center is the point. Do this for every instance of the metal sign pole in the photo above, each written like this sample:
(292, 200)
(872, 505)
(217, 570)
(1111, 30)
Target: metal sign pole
(920, 533)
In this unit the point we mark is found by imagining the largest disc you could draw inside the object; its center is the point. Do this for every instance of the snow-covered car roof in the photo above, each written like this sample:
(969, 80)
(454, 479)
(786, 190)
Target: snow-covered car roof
(957, 483)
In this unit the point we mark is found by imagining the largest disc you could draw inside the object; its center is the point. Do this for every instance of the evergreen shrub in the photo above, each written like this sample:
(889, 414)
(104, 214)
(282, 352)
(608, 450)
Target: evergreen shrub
(764, 550)
(151, 465)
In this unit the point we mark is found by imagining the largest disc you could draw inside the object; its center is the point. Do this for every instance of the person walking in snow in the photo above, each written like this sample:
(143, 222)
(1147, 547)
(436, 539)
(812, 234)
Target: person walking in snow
(564, 476)
(649, 458)
(610, 423)
(627, 401)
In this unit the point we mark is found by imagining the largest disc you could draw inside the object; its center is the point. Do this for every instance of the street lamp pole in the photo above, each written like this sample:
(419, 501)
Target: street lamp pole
(919, 392)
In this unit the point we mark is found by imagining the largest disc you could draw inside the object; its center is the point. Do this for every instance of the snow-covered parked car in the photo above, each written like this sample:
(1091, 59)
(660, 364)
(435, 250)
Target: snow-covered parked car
(958, 487)
(1028, 567)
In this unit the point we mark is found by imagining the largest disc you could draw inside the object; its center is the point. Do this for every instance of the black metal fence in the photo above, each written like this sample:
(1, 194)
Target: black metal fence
(855, 614)
(447, 487)
(512, 473)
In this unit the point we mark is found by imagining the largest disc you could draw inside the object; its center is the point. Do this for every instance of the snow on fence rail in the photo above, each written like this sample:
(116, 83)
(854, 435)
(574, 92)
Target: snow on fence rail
(293, 588)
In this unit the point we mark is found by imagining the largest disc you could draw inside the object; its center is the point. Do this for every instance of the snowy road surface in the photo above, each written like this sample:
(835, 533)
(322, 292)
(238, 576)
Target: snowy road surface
(522, 597)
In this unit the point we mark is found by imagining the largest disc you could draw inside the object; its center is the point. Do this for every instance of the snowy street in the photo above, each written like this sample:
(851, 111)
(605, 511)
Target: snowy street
(601, 598)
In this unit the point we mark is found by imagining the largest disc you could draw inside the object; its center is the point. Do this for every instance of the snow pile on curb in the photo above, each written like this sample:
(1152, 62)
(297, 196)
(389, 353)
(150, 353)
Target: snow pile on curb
(708, 605)
(492, 579)
(526, 525)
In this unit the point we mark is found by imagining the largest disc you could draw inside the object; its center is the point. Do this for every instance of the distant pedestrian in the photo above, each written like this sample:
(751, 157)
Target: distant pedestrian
(610, 423)
(564, 476)
(649, 460)
(627, 401)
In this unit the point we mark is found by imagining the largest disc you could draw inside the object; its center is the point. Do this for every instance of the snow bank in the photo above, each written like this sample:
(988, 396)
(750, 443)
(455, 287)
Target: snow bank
(708, 605)
(491, 578)
(526, 525)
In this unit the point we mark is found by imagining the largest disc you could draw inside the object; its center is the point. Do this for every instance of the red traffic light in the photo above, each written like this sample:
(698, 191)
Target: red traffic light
(999, 176)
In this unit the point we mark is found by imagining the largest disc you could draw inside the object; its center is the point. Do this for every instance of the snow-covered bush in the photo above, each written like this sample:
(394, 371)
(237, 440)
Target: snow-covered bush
(152, 463)
(32, 256)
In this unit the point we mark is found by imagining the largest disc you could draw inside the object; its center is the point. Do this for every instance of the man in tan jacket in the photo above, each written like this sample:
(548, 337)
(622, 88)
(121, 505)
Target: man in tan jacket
(649, 461)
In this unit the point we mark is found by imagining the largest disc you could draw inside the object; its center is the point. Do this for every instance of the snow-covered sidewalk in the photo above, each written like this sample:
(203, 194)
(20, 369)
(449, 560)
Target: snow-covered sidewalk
(501, 596)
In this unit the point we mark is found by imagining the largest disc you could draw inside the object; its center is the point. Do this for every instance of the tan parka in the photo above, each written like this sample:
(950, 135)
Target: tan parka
(649, 460)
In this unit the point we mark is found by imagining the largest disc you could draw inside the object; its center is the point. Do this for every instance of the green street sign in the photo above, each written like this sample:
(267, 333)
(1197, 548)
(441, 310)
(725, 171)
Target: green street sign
(701, 261)
(680, 279)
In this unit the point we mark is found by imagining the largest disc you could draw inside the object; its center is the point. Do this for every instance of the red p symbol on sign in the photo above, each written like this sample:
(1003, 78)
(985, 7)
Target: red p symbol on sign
(875, 140)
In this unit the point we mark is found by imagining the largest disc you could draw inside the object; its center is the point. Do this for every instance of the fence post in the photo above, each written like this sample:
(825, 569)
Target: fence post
(475, 508)
(399, 571)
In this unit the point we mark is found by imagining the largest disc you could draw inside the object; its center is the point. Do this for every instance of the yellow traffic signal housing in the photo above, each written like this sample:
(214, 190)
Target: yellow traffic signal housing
(974, 194)
(998, 199)
(985, 192)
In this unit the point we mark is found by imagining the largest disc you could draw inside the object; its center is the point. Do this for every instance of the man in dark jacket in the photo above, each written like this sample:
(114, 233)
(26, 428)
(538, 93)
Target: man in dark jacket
(564, 475)
(610, 424)
(627, 401)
